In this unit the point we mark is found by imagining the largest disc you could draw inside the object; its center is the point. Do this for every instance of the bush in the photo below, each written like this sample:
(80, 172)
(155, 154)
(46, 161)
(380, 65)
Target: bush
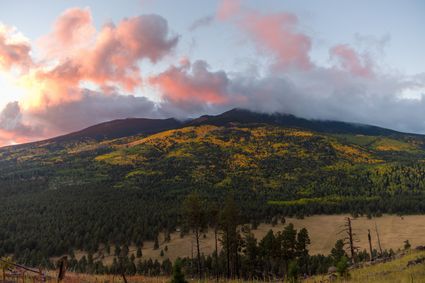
(407, 245)
(342, 267)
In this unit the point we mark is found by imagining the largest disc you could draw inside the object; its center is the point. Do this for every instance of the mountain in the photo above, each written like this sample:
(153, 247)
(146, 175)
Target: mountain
(134, 126)
(285, 120)
(123, 181)
(121, 128)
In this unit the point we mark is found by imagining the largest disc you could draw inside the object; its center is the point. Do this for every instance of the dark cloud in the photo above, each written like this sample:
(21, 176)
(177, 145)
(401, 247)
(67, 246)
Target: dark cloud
(93, 108)
(201, 22)
(11, 120)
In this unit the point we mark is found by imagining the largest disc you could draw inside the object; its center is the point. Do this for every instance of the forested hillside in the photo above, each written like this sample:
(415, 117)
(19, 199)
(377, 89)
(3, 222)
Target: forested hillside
(81, 192)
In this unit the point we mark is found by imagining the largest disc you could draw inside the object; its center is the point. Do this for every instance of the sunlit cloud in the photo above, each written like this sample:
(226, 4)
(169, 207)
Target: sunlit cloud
(83, 75)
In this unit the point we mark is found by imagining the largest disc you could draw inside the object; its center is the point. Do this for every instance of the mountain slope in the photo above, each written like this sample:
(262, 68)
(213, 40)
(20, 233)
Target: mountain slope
(91, 188)
(133, 126)
(121, 128)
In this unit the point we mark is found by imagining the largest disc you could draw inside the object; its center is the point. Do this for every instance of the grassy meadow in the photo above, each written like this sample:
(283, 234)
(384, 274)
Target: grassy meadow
(323, 231)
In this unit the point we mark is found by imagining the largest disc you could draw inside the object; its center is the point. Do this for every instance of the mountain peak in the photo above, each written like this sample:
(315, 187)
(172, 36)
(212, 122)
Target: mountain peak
(244, 116)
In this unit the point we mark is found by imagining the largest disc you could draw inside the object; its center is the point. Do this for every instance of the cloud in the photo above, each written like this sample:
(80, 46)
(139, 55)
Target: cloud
(72, 30)
(201, 22)
(228, 8)
(194, 87)
(12, 128)
(92, 108)
(112, 53)
(106, 58)
(14, 49)
(351, 61)
(274, 34)
(73, 55)
(326, 93)
(119, 48)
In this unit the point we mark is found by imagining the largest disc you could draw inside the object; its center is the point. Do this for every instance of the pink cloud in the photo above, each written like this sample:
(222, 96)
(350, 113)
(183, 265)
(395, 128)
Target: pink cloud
(118, 49)
(108, 58)
(75, 53)
(351, 61)
(273, 34)
(228, 8)
(277, 33)
(72, 30)
(14, 51)
(192, 83)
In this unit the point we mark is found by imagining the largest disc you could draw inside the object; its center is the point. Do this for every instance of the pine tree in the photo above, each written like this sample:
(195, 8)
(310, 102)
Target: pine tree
(156, 243)
(338, 251)
(229, 220)
(195, 214)
(288, 242)
(178, 276)
(303, 240)
(293, 270)
(139, 252)
(251, 253)
(342, 267)
(214, 221)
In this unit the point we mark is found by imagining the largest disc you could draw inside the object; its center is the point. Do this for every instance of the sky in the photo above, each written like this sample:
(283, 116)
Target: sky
(69, 64)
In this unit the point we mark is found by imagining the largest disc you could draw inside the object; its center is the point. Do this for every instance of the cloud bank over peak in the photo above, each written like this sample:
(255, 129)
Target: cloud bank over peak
(86, 75)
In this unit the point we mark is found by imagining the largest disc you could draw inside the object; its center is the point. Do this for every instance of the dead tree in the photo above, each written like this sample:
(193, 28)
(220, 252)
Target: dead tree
(379, 241)
(122, 271)
(62, 267)
(350, 238)
(369, 237)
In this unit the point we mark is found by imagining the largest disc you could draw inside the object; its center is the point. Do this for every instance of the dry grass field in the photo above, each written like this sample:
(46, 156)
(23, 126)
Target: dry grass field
(323, 230)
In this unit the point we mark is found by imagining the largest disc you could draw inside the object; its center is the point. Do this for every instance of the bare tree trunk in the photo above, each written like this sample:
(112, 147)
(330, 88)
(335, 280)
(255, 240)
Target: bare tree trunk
(198, 251)
(228, 253)
(122, 271)
(216, 254)
(350, 238)
(370, 244)
(379, 241)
